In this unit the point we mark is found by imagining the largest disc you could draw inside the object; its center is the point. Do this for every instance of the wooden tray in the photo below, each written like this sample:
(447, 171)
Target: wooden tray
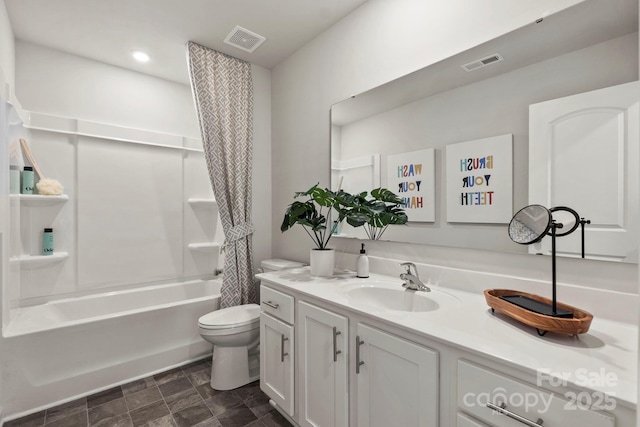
(579, 324)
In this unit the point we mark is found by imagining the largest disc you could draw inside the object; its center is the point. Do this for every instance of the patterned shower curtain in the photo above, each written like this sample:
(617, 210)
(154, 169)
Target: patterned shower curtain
(223, 92)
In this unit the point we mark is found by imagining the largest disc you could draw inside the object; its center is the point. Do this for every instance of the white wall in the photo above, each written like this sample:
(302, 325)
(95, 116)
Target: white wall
(7, 54)
(53, 82)
(7, 69)
(261, 212)
(378, 42)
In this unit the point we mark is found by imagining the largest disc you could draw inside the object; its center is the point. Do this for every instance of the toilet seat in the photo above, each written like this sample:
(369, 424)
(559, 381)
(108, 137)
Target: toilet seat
(232, 319)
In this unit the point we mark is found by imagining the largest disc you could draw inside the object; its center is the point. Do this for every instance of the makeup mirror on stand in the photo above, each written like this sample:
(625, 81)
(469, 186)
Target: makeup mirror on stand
(570, 221)
(528, 226)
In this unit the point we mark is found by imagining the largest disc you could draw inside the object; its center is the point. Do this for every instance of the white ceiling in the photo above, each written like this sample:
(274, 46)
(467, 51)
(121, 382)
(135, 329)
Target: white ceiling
(108, 30)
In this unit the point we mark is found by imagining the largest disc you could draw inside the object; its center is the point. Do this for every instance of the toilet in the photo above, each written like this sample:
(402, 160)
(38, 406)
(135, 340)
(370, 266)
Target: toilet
(235, 335)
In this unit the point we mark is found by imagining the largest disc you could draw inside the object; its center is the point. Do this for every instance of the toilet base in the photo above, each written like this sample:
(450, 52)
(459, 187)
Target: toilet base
(233, 367)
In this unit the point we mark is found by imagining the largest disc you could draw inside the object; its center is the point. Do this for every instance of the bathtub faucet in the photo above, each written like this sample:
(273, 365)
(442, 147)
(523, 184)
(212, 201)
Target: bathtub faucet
(411, 279)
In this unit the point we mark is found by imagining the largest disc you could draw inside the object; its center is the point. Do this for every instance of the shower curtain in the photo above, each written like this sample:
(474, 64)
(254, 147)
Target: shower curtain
(223, 92)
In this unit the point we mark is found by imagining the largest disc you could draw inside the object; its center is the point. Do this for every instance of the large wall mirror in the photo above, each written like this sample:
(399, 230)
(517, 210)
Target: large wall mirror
(546, 88)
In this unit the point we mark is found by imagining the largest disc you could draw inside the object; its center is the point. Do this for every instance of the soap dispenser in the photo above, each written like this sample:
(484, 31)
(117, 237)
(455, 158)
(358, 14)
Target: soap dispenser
(362, 267)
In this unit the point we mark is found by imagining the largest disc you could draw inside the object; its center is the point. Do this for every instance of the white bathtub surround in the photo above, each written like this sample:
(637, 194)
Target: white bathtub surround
(132, 232)
(94, 342)
(222, 88)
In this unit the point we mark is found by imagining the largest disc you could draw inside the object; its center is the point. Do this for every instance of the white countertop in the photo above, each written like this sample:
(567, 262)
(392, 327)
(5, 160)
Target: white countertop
(604, 359)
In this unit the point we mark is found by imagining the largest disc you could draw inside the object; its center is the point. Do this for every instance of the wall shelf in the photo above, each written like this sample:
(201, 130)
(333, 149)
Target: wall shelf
(206, 203)
(35, 261)
(209, 246)
(39, 200)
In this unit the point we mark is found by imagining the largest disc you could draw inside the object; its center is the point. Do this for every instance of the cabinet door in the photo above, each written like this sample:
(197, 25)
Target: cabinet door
(276, 361)
(323, 345)
(397, 381)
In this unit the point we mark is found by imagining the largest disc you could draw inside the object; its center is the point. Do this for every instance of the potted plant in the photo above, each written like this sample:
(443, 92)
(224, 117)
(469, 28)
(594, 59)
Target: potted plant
(314, 215)
(374, 214)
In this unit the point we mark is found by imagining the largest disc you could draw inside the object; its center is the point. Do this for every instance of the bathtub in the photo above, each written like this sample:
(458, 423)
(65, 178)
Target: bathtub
(64, 349)
(101, 307)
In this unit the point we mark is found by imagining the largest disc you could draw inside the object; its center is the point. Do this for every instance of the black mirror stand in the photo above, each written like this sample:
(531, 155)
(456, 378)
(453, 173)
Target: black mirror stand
(582, 223)
(554, 226)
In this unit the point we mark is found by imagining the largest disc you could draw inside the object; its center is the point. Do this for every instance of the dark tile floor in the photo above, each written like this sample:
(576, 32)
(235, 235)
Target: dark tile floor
(179, 397)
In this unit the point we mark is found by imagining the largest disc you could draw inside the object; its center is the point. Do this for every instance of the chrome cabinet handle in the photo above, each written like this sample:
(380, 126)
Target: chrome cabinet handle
(273, 305)
(282, 353)
(359, 363)
(502, 409)
(336, 352)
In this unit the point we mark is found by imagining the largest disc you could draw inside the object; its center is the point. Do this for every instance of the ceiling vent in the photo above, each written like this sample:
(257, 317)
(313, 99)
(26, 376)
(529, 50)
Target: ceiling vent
(479, 63)
(244, 39)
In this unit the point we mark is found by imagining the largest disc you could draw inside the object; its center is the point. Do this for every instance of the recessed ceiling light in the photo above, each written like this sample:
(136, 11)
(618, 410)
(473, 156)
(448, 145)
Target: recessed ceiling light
(140, 56)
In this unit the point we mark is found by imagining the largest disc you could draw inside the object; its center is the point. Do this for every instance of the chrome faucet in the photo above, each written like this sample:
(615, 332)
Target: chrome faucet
(411, 279)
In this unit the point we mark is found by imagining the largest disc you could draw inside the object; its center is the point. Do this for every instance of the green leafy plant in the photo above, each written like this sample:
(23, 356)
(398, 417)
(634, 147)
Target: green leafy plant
(374, 214)
(313, 214)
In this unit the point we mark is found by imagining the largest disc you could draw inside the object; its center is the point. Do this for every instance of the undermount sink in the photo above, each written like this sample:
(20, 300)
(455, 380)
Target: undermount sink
(382, 295)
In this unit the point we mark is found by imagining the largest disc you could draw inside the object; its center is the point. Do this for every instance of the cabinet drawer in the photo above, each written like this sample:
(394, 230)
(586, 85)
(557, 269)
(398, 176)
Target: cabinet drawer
(525, 404)
(277, 304)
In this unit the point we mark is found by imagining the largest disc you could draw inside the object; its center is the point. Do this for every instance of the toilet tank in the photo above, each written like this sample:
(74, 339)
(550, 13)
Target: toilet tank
(277, 264)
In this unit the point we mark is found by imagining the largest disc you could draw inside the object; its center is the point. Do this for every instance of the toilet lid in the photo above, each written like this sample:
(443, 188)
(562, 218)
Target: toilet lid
(231, 317)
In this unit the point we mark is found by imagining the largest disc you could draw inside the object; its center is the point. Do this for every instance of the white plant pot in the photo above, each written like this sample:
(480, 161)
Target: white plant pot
(322, 262)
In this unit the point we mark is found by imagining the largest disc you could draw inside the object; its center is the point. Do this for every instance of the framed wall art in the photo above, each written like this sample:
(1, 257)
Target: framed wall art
(411, 176)
(479, 185)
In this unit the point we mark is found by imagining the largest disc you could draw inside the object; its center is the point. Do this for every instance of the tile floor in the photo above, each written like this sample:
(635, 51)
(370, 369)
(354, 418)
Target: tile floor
(179, 397)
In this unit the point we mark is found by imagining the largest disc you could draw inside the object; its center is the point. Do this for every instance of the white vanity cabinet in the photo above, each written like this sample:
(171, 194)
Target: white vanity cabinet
(277, 348)
(358, 369)
(323, 354)
(397, 381)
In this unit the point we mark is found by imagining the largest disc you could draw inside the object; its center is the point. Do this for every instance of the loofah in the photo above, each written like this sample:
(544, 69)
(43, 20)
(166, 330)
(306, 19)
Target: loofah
(49, 187)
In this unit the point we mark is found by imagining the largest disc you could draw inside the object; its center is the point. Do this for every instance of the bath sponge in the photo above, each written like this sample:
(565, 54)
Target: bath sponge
(49, 187)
